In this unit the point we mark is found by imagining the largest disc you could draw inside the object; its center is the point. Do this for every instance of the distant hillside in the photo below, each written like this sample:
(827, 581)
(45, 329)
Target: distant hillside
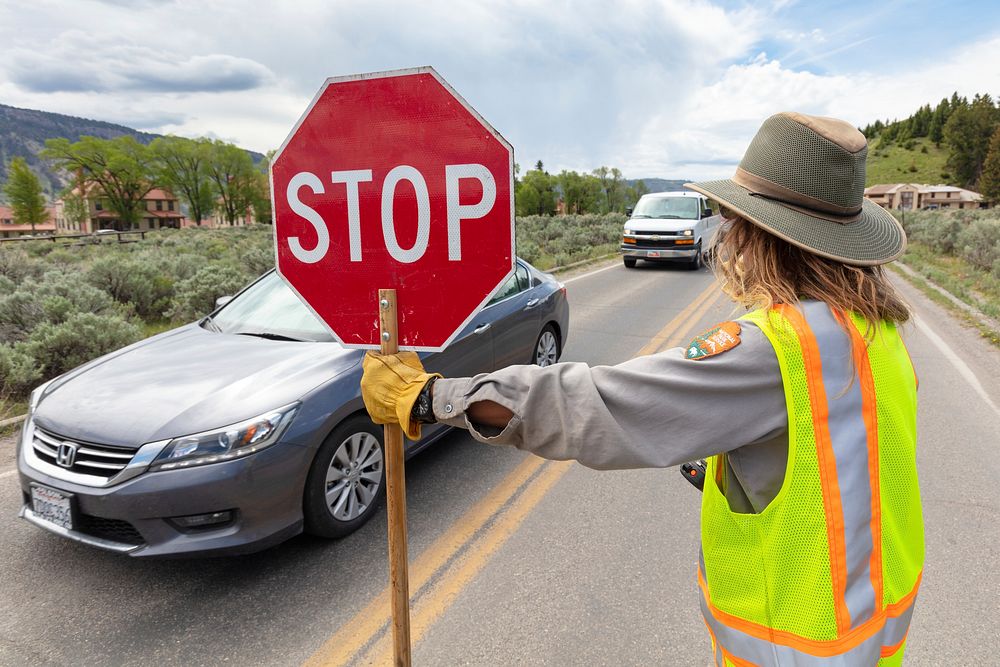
(946, 143)
(659, 184)
(923, 162)
(23, 133)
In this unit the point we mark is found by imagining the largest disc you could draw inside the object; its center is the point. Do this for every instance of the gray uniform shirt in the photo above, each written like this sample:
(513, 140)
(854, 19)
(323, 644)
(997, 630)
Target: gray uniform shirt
(650, 412)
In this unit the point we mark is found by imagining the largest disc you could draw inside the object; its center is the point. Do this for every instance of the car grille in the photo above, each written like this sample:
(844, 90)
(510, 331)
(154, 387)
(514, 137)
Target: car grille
(90, 459)
(658, 243)
(109, 529)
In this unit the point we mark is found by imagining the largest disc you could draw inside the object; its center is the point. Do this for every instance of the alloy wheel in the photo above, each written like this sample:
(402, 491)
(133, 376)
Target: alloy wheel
(354, 476)
(547, 349)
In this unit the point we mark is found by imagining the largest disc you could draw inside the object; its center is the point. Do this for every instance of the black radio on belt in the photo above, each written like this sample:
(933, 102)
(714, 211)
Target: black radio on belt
(694, 472)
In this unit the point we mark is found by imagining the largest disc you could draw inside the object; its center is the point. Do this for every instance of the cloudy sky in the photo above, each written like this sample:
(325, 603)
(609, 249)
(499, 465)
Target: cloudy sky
(674, 88)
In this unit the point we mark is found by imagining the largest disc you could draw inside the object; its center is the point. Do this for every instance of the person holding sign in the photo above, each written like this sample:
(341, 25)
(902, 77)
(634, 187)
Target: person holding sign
(812, 533)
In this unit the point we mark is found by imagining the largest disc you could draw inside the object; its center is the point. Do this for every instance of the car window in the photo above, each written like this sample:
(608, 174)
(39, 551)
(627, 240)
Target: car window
(270, 306)
(513, 285)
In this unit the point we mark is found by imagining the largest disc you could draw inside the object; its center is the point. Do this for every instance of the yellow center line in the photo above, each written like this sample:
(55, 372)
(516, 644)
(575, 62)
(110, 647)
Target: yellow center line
(437, 576)
(433, 605)
(354, 635)
(682, 317)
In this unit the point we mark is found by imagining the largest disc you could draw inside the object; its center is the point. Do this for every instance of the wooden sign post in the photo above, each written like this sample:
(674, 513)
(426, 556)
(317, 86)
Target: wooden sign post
(395, 497)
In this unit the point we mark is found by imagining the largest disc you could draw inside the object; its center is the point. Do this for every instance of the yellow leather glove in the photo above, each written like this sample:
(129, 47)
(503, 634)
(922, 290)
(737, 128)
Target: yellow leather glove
(390, 386)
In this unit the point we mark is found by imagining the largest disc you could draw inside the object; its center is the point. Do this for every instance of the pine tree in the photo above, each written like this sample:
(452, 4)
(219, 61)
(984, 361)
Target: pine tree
(989, 182)
(24, 192)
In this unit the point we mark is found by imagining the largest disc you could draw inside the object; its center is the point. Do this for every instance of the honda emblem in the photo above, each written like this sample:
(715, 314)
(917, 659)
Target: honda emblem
(66, 454)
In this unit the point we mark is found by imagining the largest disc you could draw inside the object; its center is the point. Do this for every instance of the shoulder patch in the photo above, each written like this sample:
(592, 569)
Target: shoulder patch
(715, 341)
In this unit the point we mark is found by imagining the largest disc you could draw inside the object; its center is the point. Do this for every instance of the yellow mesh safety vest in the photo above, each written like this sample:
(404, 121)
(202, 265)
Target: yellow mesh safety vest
(828, 572)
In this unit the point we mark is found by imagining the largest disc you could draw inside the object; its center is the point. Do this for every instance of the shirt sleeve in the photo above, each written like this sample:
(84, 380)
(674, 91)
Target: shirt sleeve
(650, 412)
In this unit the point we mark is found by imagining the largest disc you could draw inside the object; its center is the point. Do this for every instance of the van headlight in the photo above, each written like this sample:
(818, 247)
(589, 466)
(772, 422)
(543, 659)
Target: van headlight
(687, 232)
(226, 443)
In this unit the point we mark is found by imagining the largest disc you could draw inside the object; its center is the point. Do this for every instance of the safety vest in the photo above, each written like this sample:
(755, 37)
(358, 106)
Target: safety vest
(828, 572)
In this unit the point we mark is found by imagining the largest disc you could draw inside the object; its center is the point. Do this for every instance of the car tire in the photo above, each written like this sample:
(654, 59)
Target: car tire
(629, 262)
(346, 483)
(695, 262)
(546, 351)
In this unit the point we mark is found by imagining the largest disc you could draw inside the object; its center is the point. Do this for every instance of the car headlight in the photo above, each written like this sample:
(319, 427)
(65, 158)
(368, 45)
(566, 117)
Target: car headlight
(687, 232)
(226, 443)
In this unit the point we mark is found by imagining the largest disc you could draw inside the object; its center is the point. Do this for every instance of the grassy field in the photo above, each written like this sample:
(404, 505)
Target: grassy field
(897, 164)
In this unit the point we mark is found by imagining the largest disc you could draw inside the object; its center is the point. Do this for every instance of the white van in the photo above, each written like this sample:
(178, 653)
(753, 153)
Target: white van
(668, 226)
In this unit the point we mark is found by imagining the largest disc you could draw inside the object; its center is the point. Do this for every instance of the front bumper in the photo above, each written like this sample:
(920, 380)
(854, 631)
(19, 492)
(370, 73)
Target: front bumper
(684, 252)
(263, 490)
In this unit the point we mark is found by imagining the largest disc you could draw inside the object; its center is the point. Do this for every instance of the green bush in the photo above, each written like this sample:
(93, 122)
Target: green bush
(18, 373)
(979, 243)
(551, 241)
(57, 348)
(133, 282)
(16, 265)
(53, 298)
(195, 296)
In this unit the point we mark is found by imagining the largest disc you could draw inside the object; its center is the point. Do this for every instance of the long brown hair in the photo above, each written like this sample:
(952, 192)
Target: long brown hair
(759, 270)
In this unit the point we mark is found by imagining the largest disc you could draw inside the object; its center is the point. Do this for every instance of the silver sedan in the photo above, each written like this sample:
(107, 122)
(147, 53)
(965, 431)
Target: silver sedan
(234, 433)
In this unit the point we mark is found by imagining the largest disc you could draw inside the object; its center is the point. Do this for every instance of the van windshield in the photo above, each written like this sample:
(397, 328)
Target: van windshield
(680, 208)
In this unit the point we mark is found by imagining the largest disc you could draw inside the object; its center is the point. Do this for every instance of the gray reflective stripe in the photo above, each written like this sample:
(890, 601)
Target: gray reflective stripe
(849, 439)
(768, 654)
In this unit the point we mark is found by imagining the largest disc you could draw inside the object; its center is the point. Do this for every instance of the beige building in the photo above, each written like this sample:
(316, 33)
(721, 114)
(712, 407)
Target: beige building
(913, 196)
(9, 230)
(160, 210)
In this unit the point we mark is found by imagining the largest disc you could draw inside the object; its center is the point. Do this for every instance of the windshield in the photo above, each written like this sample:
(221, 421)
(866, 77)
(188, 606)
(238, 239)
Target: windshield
(269, 307)
(682, 208)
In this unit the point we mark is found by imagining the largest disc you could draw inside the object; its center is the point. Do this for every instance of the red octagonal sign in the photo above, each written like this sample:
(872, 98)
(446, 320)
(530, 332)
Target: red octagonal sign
(392, 181)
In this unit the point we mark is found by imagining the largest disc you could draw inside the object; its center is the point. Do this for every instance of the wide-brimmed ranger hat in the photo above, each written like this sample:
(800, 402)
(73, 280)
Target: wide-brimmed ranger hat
(803, 179)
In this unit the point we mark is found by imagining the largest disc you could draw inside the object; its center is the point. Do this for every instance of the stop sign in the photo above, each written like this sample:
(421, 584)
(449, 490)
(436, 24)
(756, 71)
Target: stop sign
(392, 181)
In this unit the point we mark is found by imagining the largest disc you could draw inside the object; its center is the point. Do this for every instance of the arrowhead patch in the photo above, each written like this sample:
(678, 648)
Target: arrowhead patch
(715, 341)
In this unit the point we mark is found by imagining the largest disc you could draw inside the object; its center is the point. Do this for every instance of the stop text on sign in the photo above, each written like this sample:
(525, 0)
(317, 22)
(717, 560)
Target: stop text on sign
(454, 174)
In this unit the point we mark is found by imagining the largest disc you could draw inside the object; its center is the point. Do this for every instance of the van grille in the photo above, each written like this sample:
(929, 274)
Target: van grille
(89, 459)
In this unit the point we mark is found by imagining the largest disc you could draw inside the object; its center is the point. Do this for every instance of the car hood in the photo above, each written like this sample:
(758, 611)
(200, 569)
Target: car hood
(656, 225)
(185, 381)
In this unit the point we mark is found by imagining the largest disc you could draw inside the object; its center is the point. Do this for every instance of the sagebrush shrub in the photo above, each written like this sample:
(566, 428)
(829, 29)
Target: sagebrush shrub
(52, 298)
(57, 348)
(195, 296)
(134, 282)
(18, 373)
(979, 243)
(16, 265)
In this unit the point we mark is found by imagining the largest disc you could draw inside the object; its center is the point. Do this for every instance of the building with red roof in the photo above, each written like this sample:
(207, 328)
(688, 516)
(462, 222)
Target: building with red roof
(160, 210)
(9, 230)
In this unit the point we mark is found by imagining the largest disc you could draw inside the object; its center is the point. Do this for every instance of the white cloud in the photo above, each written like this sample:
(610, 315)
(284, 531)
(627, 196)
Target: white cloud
(707, 136)
(671, 88)
(76, 63)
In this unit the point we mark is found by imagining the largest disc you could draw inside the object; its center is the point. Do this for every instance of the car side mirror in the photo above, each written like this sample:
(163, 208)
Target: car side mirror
(707, 213)
(628, 211)
(222, 300)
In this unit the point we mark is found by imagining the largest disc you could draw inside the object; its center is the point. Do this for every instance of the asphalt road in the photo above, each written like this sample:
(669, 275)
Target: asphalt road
(515, 560)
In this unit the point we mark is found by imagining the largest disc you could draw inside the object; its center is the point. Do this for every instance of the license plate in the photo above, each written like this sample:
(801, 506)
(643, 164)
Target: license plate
(52, 506)
(652, 253)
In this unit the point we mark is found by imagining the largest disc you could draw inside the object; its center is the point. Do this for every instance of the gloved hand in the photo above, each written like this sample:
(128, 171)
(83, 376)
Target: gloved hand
(390, 386)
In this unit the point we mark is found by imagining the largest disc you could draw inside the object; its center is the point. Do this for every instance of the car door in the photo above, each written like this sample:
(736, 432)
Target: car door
(514, 314)
(470, 353)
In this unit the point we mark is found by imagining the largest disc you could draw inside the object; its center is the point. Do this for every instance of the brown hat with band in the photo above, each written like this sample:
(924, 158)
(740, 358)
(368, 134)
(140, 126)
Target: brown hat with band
(803, 179)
